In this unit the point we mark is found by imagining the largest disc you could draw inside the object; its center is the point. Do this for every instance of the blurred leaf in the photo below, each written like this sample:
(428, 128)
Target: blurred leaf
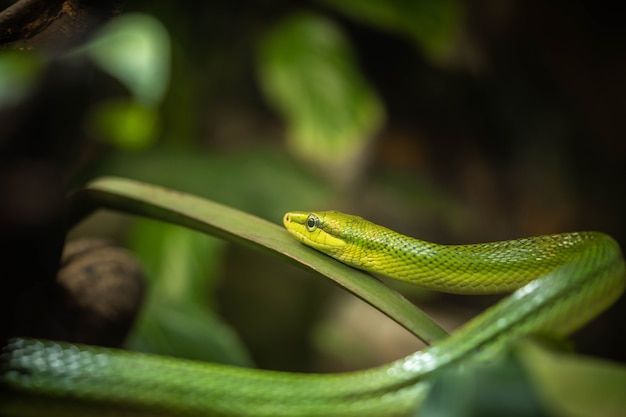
(432, 24)
(308, 72)
(222, 221)
(226, 177)
(187, 331)
(183, 267)
(135, 48)
(127, 124)
(573, 385)
(494, 389)
(18, 75)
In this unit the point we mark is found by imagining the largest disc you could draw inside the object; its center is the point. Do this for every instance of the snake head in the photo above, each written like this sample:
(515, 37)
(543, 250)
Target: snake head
(324, 230)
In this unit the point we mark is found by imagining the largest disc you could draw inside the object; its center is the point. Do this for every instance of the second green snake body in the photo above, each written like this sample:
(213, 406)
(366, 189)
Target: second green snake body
(565, 281)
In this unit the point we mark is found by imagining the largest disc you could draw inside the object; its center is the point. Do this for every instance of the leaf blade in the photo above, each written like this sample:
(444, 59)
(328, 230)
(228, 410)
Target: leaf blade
(233, 225)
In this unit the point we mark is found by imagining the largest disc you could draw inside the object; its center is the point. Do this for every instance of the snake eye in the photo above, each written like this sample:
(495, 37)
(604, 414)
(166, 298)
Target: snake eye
(312, 222)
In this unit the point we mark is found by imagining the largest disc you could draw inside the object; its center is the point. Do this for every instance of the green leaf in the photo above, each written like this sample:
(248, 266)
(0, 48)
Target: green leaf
(187, 331)
(135, 49)
(309, 74)
(209, 217)
(499, 387)
(574, 385)
(433, 24)
(182, 265)
(19, 73)
(127, 124)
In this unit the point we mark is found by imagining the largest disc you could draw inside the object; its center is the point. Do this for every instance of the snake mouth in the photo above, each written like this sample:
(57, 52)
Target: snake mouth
(294, 223)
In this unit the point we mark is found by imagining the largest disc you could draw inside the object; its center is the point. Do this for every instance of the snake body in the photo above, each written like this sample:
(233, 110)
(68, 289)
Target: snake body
(564, 281)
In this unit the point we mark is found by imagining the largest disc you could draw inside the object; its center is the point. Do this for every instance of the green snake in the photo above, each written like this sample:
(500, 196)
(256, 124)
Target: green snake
(561, 282)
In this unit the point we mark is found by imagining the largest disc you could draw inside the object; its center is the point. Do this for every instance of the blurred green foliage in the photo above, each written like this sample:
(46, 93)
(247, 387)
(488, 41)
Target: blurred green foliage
(569, 384)
(308, 71)
(179, 317)
(434, 25)
(536, 378)
(127, 124)
(134, 48)
(19, 73)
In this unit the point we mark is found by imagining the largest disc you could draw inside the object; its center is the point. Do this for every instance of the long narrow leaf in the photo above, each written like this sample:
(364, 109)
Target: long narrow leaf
(209, 217)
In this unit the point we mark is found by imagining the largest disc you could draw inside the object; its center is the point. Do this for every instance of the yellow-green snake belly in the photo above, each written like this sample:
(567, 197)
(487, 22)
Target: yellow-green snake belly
(563, 282)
